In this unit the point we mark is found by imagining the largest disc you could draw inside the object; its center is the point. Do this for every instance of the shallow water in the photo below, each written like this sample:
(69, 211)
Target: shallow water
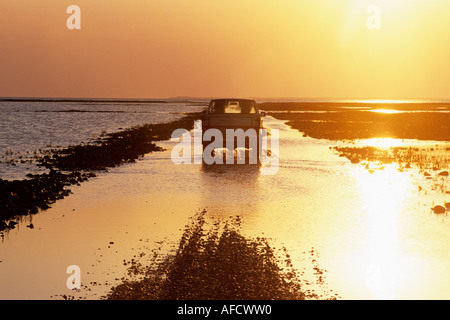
(372, 233)
(29, 126)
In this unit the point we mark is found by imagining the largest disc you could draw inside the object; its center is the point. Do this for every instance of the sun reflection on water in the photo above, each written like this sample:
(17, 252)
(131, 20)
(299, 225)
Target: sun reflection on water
(384, 143)
(383, 193)
(386, 111)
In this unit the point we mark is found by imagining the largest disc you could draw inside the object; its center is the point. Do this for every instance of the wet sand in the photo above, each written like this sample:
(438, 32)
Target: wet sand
(215, 263)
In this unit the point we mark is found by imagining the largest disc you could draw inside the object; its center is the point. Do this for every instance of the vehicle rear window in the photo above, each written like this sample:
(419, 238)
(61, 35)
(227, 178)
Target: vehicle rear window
(225, 106)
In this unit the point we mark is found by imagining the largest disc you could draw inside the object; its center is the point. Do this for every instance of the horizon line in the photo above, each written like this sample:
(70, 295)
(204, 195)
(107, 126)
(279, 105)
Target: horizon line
(268, 99)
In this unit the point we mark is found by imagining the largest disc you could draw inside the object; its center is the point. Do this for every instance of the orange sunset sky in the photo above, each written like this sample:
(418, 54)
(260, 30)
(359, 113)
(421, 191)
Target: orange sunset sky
(204, 48)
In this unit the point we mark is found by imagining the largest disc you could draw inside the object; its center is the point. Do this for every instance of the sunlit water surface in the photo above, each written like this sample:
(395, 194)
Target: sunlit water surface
(30, 127)
(373, 233)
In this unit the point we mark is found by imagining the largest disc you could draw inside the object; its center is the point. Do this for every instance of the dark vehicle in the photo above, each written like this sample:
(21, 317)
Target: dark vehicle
(235, 114)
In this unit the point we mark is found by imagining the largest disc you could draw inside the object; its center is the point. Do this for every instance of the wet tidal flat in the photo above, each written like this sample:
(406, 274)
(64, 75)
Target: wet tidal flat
(350, 223)
(352, 120)
(216, 263)
(76, 164)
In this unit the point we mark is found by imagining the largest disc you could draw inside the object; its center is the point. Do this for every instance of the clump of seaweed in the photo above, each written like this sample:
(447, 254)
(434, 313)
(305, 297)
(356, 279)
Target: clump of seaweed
(215, 264)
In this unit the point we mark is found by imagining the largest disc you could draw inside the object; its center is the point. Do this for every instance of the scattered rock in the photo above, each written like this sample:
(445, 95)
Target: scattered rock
(438, 209)
(12, 224)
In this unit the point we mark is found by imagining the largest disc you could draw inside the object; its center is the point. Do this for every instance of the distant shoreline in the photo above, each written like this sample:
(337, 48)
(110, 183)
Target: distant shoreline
(337, 105)
(206, 99)
(106, 100)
